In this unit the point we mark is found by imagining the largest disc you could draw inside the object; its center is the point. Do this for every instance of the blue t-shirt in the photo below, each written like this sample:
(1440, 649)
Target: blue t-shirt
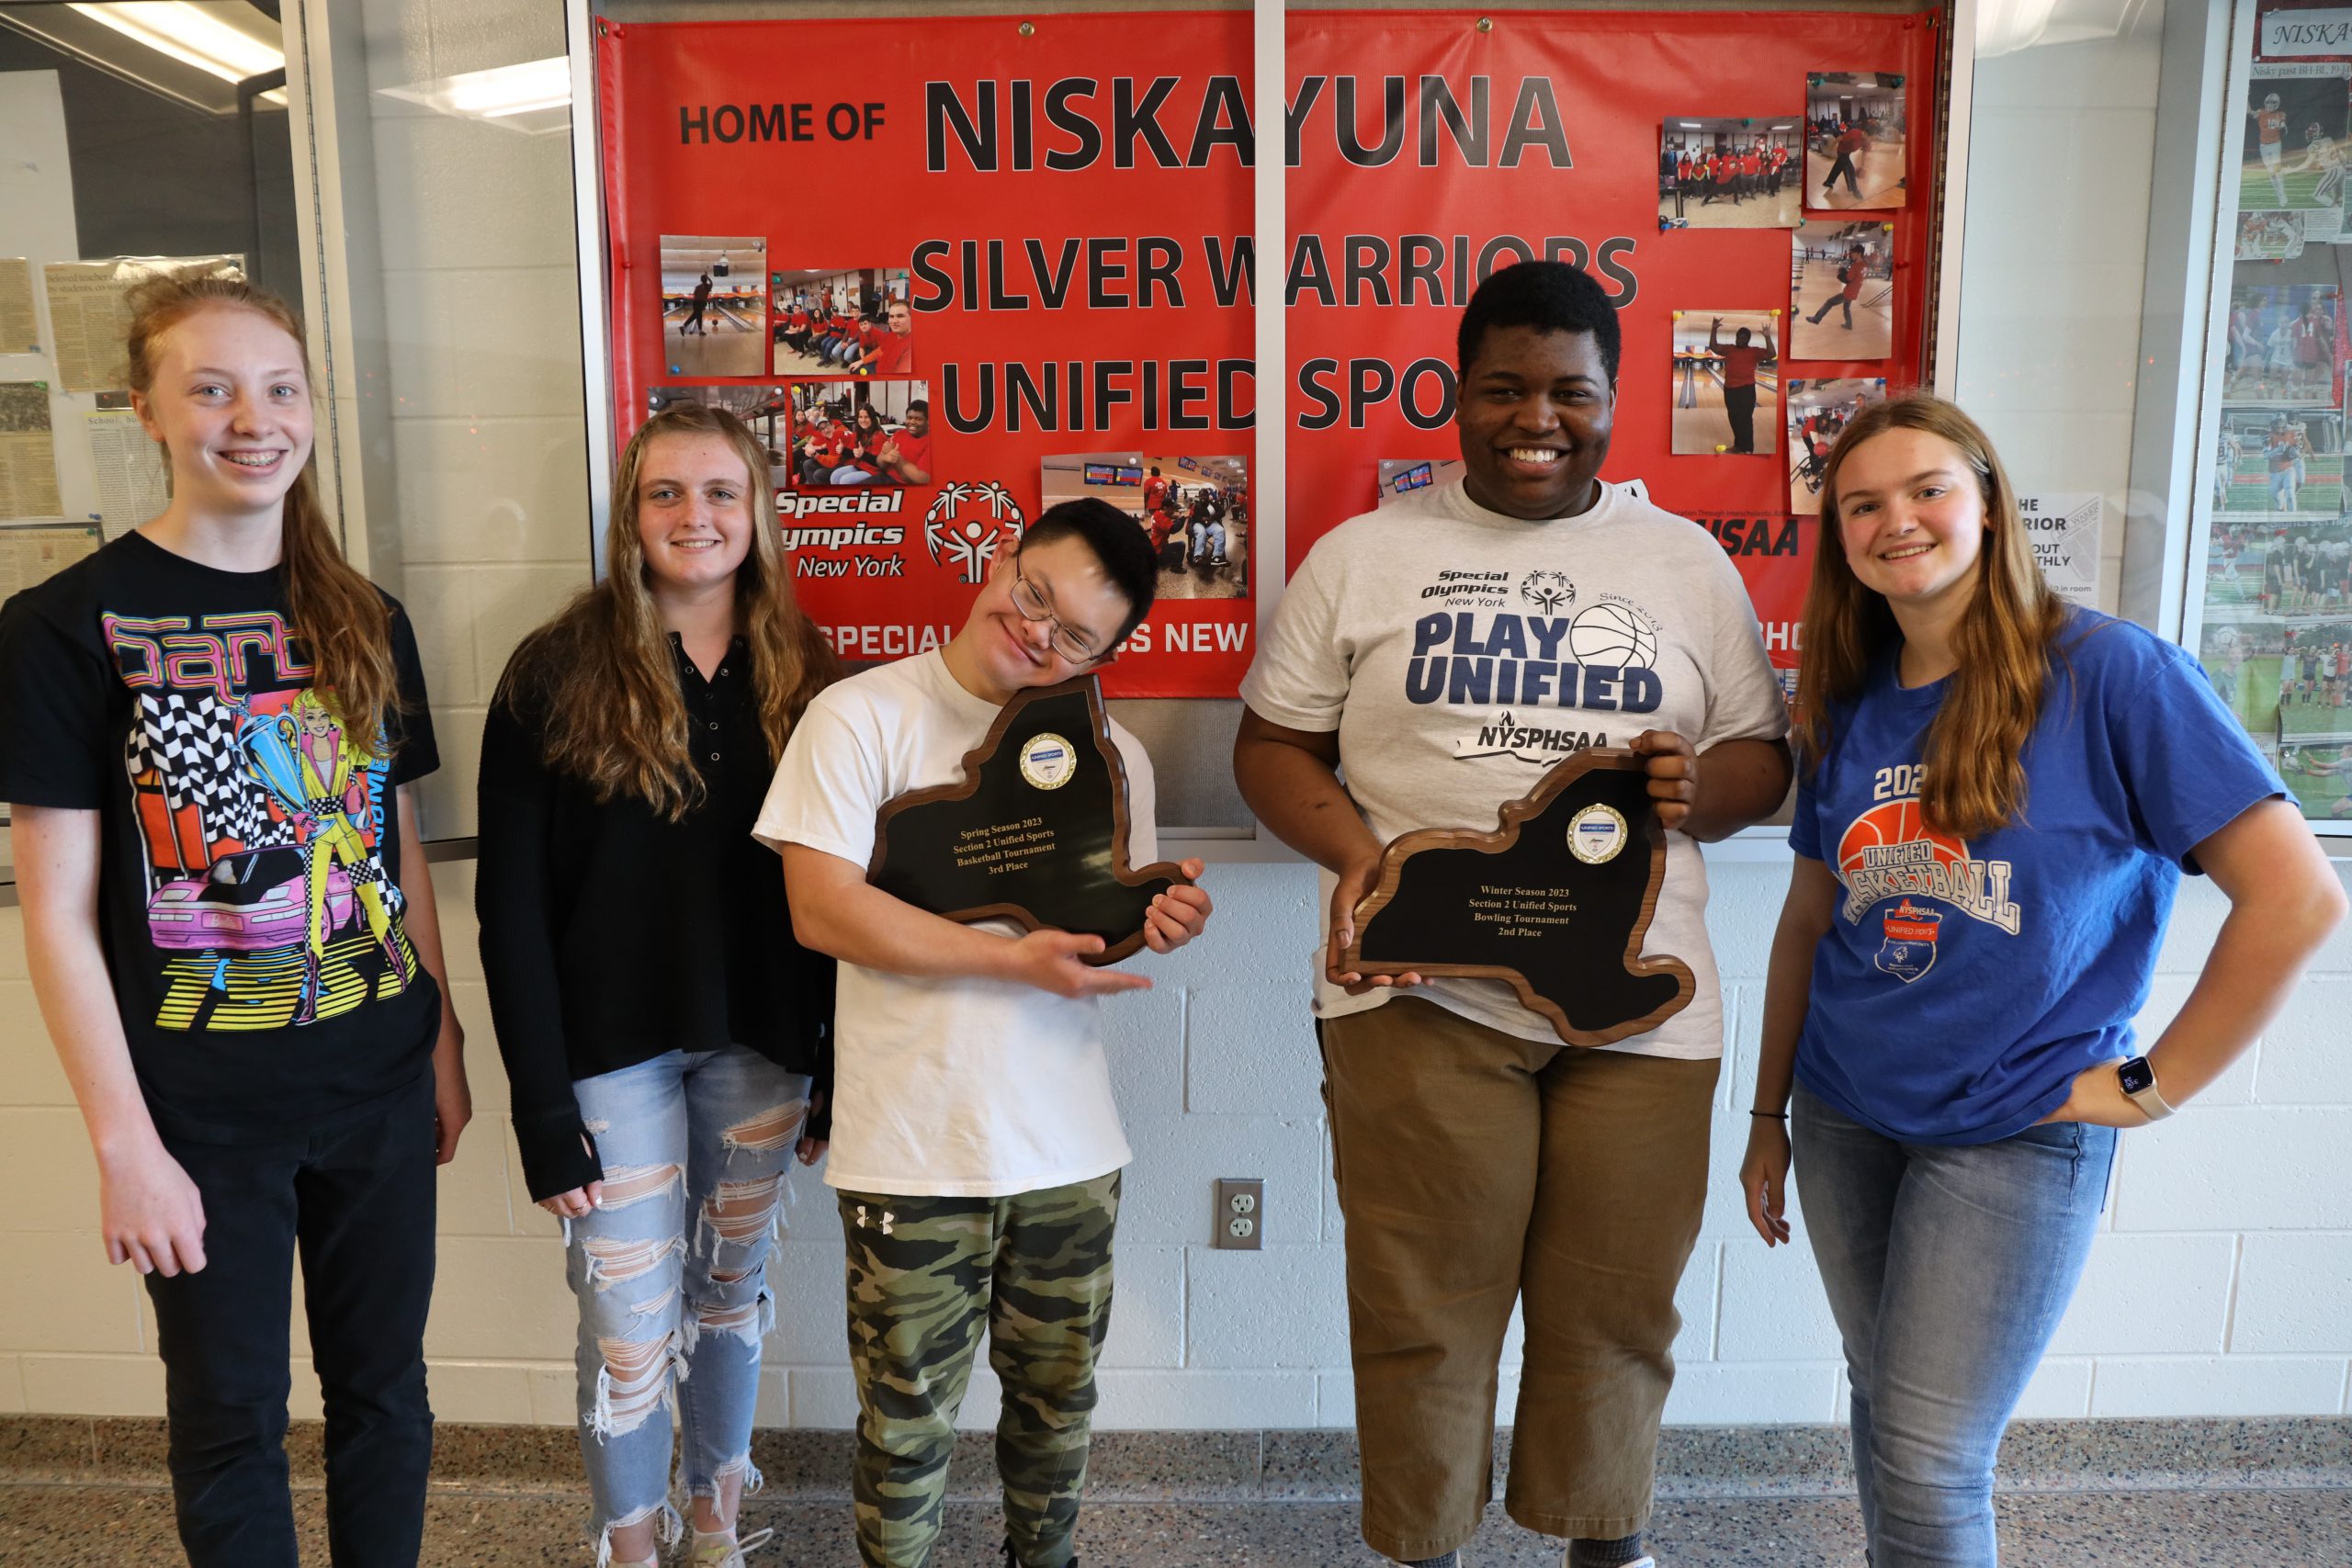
(1964, 984)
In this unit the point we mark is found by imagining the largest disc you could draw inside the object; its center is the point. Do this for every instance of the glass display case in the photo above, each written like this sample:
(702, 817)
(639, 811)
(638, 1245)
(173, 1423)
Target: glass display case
(2268, 605)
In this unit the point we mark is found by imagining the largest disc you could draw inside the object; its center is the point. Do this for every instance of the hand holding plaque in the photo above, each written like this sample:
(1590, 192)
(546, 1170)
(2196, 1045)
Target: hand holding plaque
(1036, 832)
(1556, 901)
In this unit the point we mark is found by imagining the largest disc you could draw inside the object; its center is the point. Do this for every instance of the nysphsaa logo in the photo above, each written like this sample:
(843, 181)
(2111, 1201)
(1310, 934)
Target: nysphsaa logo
(967, 525)
(1908, 950)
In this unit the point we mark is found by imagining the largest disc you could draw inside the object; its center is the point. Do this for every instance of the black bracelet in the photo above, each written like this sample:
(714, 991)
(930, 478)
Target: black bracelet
(1775, 1115)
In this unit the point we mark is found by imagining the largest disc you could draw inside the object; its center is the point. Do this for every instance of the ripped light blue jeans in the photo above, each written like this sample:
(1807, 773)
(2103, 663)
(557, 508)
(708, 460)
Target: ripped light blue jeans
(671, 1273)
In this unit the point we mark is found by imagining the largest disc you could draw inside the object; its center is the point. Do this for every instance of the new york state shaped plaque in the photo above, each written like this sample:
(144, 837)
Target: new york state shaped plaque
(1556, 901)
(1036, 832)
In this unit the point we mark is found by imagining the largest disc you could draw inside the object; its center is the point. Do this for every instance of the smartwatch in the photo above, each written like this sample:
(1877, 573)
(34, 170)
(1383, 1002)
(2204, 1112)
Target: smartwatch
(2138, 1081)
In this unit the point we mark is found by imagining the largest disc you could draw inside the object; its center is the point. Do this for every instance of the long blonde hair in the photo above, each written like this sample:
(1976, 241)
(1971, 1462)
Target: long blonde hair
(2004, 642)
(341, 619)
(601, 675)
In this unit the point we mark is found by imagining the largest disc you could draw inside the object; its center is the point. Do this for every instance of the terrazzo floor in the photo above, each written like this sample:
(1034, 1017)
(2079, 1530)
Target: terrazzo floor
(52, 1525)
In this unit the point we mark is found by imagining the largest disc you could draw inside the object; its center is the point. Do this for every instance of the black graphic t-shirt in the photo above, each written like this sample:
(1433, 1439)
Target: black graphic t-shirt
(249, 885)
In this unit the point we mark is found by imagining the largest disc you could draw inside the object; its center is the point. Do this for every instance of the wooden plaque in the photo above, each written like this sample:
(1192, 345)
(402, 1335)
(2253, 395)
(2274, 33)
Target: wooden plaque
(1036, 832)
(1556, 901)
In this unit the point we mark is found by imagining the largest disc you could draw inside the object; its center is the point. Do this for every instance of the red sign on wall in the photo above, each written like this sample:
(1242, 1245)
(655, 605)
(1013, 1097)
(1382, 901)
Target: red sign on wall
(1425, 153)
(1063, 218)
(1062, 222)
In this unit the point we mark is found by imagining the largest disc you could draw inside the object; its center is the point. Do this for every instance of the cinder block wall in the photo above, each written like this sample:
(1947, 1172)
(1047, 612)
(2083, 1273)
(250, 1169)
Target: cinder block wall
(2222, 1285)
(2221, 1282)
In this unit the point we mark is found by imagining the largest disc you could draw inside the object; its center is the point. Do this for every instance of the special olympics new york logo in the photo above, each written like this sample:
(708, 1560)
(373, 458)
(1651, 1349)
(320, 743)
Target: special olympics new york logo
(1550, 592)
(967, 523)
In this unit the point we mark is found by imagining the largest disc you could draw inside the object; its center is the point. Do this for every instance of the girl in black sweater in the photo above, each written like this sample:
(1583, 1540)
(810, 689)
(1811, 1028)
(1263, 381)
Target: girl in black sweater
(667, 1040)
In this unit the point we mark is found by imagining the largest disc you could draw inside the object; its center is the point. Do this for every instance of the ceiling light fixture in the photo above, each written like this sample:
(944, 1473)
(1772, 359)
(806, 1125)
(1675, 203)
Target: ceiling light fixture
(190, 35)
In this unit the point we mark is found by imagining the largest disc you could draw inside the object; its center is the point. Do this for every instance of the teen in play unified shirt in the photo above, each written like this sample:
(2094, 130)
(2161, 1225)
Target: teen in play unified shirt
(1446, 651)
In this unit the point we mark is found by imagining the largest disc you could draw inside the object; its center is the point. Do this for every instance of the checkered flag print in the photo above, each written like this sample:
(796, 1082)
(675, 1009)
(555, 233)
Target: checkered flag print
(191, 742)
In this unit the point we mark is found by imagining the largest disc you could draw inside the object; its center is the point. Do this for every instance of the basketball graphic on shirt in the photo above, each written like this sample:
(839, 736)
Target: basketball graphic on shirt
(1611, 633)
(1877, 831)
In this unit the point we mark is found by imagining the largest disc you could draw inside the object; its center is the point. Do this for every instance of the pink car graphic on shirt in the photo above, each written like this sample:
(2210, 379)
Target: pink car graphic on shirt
(247, 902)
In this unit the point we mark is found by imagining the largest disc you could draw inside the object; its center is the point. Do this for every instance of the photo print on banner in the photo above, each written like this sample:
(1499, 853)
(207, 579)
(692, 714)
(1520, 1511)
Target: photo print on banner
(1069, 251)
(1729, 172)
(2286, 345)
(1841, 290)
(714, 305)
(1195, 510)
(1726, 382)
(1857, 141)
(761, 409)
(849, 433)
(844, 322)
(1818, 411)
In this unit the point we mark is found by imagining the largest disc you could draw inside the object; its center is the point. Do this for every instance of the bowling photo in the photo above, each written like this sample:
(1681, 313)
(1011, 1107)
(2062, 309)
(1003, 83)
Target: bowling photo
(1855, 139)
(1841, 290)
(714, 305)
(1726, 383)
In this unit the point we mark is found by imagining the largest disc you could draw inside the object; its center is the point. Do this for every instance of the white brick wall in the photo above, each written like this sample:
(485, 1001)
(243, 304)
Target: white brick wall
(2222, 1285)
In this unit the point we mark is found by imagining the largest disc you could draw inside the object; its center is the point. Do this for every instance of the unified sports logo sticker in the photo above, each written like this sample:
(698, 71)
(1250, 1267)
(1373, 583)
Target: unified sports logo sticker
(1047, 760)
(968, 523)
(1598, 834)
(1909, 949)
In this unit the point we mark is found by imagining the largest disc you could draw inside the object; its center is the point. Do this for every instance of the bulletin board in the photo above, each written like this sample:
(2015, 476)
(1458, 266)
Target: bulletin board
(1027, 184)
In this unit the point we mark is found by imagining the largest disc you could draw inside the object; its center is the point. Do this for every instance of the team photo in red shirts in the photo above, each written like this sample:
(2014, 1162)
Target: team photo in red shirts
(848, 434)
(1729, 172)
(844, 322)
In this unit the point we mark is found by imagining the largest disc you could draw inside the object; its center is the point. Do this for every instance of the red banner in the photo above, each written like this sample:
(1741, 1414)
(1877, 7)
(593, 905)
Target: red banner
(1425, 153)
(1067, 238)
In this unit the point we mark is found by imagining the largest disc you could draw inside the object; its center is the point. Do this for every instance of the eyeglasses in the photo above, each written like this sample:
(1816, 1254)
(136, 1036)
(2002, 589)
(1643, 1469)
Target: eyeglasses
(1031, 601)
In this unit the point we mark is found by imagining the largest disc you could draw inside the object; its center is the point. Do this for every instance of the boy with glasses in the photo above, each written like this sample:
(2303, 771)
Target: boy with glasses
(975, 1146)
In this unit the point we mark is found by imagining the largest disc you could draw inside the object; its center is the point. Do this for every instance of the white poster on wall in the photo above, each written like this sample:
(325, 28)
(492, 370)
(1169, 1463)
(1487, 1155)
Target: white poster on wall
(2064, 528)
(129, 471)
(89, 311)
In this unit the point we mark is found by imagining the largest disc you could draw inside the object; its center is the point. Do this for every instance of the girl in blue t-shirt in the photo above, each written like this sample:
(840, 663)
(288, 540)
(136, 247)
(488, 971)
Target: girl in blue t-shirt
(1997, 797)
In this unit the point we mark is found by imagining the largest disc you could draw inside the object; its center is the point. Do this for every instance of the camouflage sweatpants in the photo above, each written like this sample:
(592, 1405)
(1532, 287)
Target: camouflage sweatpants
(925, 1275)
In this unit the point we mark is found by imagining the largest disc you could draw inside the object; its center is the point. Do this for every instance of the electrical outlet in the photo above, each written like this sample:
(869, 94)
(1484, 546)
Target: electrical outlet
(1240, 1222)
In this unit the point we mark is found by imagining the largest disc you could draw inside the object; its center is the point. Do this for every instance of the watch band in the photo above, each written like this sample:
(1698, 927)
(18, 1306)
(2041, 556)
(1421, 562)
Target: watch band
(2148, 1096)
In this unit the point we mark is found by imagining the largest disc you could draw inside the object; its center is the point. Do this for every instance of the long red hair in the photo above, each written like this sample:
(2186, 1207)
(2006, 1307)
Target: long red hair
(344, 623)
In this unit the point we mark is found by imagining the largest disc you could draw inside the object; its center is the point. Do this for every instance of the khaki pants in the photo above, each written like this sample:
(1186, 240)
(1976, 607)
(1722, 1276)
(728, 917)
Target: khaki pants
(1475, 1169)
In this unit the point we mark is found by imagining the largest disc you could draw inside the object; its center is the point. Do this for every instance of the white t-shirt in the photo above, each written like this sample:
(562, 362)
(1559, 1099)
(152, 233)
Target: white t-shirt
(1460, 653)
(943, 1088)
